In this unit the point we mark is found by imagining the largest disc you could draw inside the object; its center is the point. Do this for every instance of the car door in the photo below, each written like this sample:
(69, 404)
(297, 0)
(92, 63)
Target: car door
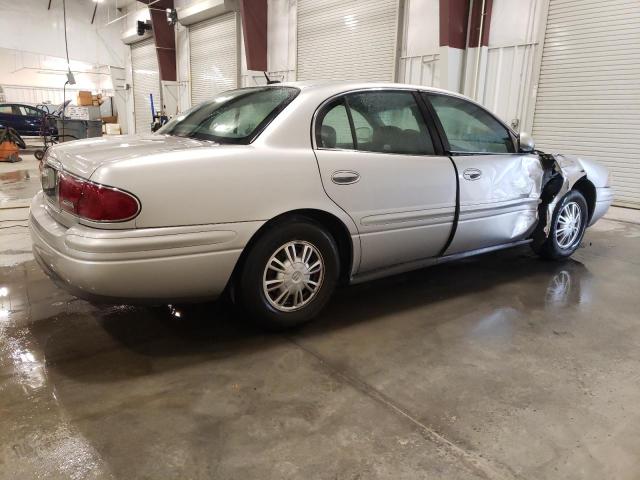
(381, 162)
(33, 119)
(499, 187)
(30, 120)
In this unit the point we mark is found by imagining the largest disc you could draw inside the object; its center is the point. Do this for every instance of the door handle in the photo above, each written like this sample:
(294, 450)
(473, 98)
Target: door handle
(472, 174)
(345, 177)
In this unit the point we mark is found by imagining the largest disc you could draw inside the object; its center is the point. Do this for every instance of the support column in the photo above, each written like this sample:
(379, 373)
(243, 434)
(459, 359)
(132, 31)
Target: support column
(453, 38)
(164, 37)
(477, 50)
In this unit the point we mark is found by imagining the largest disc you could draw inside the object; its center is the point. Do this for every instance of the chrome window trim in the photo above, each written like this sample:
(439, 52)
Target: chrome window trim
(350, 150)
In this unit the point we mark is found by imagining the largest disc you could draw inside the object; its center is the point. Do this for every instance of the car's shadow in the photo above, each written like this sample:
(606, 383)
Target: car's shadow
(111, 343)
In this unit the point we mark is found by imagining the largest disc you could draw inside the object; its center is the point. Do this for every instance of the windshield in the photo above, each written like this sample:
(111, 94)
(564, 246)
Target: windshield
(236, 116)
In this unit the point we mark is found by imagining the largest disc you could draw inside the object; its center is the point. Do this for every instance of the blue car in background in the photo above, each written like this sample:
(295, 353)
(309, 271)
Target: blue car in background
(25, 119)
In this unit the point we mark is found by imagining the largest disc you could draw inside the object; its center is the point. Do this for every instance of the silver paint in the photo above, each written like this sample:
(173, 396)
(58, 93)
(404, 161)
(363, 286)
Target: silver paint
(212, 198)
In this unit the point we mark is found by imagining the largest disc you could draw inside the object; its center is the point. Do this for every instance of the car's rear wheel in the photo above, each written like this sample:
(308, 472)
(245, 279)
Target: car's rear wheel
(568, 225)
(289, 274)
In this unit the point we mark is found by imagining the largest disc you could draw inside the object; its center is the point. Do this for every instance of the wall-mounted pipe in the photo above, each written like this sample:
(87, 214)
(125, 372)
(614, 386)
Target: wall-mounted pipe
(476, 72)
(466, 46)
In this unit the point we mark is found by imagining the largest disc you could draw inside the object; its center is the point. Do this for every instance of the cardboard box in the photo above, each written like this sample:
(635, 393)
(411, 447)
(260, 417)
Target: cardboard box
(84, 98)
(113, 119)
(112, 129)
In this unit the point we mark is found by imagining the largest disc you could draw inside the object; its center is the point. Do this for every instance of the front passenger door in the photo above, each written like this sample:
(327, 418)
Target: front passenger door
(499, 187)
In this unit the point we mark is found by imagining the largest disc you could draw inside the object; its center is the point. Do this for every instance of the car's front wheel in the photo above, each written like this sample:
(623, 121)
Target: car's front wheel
(289, 274)
(568, 224)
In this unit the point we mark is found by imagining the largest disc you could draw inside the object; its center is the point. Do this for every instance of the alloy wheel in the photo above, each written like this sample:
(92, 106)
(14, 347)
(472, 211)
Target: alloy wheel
(568, 225)
(293, 275)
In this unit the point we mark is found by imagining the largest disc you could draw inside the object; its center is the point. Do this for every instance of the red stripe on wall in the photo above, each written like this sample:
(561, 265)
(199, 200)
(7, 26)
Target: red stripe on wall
(453, 23)
(254, 30)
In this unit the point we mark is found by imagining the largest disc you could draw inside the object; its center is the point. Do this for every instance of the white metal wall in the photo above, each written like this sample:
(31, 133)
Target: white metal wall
(588, 97)
(507, 77)
(420, 70)
(35, 95)
(213, 57)
(507, 82)
(146, 80)
(419, 61)
(347, 39)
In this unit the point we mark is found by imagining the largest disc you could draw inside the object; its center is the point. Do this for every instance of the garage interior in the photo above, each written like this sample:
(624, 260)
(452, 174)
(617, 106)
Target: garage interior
(500, 366)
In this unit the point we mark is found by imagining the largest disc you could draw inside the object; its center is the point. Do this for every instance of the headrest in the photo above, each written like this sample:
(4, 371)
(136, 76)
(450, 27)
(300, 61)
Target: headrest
(328, 136)
(385, 139)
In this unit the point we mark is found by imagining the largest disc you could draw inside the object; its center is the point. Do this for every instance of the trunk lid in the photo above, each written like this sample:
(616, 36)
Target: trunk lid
(83, 157)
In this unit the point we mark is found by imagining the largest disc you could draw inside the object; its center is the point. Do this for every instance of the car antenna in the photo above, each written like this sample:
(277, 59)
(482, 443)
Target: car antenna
(269, 81)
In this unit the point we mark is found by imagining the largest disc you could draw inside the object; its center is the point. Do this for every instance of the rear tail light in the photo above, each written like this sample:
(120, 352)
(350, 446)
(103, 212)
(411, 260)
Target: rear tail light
(95, 202)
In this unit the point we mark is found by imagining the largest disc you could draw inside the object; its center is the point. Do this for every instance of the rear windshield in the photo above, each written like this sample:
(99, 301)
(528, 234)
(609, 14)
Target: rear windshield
(236, 116)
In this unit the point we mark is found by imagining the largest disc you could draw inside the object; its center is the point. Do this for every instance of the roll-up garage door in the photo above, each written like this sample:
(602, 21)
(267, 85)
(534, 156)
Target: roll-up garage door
(588, 99)
(214, 57)
(146, 80)
(347, 39)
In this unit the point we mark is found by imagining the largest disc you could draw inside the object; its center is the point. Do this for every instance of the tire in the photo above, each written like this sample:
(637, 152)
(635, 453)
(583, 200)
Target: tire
(564, 240)
(278, 293)
(39, 154)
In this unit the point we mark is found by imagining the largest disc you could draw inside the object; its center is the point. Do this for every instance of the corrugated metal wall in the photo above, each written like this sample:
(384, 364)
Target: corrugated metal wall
(347, 39)
(146, 80)
(588, 98)
(213, 57)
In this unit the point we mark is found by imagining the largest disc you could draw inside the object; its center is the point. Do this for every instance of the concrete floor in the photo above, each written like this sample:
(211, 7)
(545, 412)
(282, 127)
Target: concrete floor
(502, 366)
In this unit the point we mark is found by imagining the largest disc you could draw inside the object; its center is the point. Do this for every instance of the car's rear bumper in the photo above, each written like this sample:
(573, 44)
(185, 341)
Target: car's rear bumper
(138, 265)
(604, 199)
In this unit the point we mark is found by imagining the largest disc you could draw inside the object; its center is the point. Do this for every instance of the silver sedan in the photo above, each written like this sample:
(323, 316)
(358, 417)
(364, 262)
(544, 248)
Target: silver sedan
(277, 194)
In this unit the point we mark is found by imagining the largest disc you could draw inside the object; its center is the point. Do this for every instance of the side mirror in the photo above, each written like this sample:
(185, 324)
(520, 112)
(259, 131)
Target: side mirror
(526, 143)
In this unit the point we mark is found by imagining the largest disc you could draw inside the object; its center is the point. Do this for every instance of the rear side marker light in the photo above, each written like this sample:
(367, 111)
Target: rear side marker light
(95, 202)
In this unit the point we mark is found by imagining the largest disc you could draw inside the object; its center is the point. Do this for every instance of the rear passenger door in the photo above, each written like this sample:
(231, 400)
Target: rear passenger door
(32, 119)
(499, 187)
(380, 163)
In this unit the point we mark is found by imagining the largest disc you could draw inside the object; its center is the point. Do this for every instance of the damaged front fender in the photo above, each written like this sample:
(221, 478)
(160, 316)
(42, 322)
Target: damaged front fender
(560, 174)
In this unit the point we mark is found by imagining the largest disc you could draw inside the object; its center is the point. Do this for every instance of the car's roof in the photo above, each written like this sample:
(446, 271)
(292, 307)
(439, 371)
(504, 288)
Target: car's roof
(19, 103)
(318, 91)
(342, 85)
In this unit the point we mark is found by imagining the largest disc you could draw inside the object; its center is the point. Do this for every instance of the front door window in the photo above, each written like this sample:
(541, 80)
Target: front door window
(470, 128)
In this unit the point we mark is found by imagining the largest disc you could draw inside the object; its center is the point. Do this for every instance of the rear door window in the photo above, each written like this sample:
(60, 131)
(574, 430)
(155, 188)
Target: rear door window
(389, 122)
(33, 112)
(334, 129)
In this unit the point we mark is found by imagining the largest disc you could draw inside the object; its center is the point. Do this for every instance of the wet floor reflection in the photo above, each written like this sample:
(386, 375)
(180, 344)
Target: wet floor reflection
(18, 185)
(74, 375)
(73, 330)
